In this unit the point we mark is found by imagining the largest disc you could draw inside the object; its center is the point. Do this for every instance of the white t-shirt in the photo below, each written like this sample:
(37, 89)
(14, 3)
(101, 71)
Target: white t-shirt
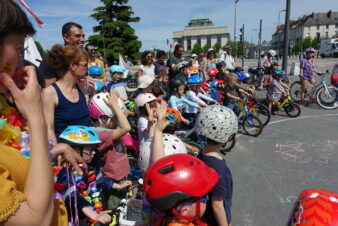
(142, 126)
(228, 60)
(148, 70)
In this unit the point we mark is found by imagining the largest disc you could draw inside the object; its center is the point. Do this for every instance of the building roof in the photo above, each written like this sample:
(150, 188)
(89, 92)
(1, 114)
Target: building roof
(199, 16)
(200, 20)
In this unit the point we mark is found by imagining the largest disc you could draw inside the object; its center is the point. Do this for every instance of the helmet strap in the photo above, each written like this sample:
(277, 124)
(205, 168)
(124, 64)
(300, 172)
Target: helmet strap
(106, 124)
(190, 219)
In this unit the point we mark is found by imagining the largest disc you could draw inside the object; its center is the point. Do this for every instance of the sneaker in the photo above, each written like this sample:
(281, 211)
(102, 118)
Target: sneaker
(312, 98)
(335, 104)
(303, 103)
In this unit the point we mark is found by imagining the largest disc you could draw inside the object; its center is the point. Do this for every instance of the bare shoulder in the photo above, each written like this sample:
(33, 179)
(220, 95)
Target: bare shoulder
(49, 94)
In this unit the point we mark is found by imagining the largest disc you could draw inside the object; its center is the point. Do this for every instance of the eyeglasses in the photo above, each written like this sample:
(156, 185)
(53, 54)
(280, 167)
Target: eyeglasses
(149, 57)
(202, 199)
(85, 64)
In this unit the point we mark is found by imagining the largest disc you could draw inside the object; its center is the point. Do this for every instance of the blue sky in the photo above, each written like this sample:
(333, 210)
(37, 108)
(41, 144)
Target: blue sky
(159, 18)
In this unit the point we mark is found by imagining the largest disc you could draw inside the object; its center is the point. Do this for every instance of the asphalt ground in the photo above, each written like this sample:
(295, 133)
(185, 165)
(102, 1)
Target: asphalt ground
(291, 155)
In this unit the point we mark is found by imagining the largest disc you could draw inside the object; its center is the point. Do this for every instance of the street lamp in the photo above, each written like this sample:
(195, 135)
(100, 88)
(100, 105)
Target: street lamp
(236, 1)
(254, 29)
(252, 48)
(278, 47)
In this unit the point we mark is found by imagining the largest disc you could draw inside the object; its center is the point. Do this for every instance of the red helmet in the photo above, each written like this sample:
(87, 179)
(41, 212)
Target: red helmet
(212, 72)
(315, 207)
(175, 178)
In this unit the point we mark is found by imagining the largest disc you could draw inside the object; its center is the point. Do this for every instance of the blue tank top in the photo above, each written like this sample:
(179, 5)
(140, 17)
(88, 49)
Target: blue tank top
(68, 113)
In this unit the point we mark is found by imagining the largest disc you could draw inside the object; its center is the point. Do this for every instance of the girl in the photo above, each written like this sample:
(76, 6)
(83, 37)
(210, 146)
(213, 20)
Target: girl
(276, 88)
(147, 67)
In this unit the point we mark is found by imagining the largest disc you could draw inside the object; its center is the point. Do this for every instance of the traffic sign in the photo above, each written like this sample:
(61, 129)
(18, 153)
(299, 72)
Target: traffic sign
(292, 44)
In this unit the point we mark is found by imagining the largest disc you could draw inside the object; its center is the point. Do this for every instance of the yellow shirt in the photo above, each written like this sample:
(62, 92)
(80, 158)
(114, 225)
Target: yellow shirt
(13, 173)
(99, 63)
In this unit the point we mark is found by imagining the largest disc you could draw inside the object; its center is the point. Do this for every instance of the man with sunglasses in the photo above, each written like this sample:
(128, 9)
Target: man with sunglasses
(228, 58)
(93, 60)
(72, 34)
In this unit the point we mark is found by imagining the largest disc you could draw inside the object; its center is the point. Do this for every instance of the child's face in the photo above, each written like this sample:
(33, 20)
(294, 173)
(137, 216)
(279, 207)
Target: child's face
(165, 79)
(181, 90)
(190, 210)
(87, 153)
(117, 76)
(195, 88)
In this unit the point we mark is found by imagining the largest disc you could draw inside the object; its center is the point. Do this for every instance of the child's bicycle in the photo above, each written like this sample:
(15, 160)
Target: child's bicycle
(291, 108)
(259, 110)
(250, 123)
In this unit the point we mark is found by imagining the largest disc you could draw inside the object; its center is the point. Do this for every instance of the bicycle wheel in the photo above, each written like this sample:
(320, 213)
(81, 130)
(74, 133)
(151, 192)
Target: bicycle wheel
(228, 146)
(327, 98)
(252, 126)
(292, 110)
(262, 112)
(295, 90)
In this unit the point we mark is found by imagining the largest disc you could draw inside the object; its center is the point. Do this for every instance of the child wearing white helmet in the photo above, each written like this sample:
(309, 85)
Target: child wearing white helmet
(218, 125)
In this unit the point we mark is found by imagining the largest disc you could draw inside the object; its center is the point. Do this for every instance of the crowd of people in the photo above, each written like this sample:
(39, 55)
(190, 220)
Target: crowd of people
(71, 115)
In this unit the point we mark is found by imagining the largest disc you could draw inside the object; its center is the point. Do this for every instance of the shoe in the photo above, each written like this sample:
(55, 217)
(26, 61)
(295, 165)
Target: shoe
(335, 104)
(260, 88)
(303, 103)
(312, 98)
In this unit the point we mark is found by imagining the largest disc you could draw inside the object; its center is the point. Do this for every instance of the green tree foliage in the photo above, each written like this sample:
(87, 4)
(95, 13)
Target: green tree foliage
(197, 48)
(115, 33)
(40, 49)
(206, 47)
(217, 47)
(306, 42)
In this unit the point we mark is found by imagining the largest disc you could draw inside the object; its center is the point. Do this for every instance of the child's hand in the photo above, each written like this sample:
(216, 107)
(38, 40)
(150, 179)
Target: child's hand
(151, 113)
(103, 218)
(112, 99)
(91, 83)
(162, 122)
(185, 121)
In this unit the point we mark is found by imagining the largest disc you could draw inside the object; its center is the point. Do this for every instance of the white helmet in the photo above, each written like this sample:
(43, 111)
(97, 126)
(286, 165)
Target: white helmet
(217, 123)
(182, 64)
(97, 106)
(172, 145)
(144, 98)
(272, 52)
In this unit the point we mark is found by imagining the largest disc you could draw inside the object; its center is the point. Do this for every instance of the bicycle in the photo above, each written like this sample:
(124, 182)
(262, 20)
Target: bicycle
(251, 124)
(291, 109)
(259, 110)
(326, 95)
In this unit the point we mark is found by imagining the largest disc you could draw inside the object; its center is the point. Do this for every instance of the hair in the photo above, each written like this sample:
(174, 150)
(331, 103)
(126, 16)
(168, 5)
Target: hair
(13, 20)
(67, 26)
(220, 65)
(177, 47)
(86, 46)
(210, 52)
(212, 142)
(160, 53)
(61, 57)
(144, 57)
(230, 78)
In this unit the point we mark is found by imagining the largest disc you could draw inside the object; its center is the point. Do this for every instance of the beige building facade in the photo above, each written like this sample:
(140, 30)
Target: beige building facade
(201, 30)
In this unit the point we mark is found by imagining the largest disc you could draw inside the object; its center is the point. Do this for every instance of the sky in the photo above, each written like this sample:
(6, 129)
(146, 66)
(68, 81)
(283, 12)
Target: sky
(160, 18)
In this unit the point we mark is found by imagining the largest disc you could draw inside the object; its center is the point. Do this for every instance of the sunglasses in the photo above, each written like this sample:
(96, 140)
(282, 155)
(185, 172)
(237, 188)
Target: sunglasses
(202, 199)
(85, 64)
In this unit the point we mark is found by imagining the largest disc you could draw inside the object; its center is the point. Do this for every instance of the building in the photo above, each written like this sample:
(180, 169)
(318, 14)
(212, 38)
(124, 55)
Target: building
(201, 30)
(315, 25)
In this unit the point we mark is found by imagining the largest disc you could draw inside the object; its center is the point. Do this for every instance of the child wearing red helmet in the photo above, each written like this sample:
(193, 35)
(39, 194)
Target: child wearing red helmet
(213, 86)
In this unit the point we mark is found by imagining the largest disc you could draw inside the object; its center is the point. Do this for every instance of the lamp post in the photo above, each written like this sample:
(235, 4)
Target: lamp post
(236, 1)
(286, 35)
(278, 46)
(252, 49)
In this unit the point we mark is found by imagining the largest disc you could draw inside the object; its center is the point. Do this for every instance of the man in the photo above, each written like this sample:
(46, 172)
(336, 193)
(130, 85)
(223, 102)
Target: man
(93, 60)
(72, 34)
(228, 58)
(174, 60)
(128, 64)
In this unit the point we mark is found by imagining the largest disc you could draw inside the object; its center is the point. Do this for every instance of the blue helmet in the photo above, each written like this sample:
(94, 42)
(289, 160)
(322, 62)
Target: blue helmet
(95, 70)
(194, 80)
(80, 135)
(117, 68)
(278, 73)
(99, 86)
(241, 75)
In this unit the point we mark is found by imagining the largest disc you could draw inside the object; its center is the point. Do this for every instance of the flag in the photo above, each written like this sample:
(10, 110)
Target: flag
(171, 46)
(168, 42)
(24, 4)
(32, 53)
(123, 64)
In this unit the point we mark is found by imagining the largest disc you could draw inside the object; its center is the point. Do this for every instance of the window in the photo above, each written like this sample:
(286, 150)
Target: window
(209, 39)
(219, 38)
(337, 33)
(318, 35)
(327, 26)
(336, 25)
(189, 43)
(199, 40)
(318, 26)
(180, 41)
(326, 34)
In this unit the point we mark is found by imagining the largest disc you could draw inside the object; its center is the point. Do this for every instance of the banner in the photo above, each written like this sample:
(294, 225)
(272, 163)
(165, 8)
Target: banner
(123, 64)
(32, 53)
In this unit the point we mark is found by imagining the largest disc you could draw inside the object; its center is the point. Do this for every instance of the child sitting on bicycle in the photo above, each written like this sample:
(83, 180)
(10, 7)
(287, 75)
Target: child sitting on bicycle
(276, 88)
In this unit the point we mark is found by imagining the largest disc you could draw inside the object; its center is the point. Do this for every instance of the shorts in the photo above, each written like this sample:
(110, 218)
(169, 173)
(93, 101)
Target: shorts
(306, 78)
(275, 96)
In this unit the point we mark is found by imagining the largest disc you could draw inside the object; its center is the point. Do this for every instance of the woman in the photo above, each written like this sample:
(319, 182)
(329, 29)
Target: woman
(64, 104)
(208, 63)
(26, 186)
(147, 67)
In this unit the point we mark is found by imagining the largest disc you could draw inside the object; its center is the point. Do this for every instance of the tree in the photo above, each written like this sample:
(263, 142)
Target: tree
(197, 48)
(206, 47)
(40, 49)
(217, 47)
(115, 36)
(306, 42)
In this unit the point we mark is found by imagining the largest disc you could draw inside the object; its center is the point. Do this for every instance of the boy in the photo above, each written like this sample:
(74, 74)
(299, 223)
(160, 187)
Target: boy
(276, 88)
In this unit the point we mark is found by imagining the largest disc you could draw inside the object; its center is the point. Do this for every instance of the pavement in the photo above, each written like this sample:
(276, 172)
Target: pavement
(291, 155)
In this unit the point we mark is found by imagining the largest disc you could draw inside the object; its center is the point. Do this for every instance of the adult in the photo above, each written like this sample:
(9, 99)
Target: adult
(72, 34)
(208, 63)
(160, 67)
(307, 70)
(228, 58)
(194, 61)
(64, 103)
(174, 60)
(267, 61)
(129, 64)
(26, 186)
(93, 60)
(147, 67)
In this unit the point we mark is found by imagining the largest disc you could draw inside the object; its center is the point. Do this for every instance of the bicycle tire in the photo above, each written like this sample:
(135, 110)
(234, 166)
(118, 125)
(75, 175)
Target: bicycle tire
(292, 110)
(228, 146)
(327, 103)
(295, 90)
(252, 126)
(262, 112)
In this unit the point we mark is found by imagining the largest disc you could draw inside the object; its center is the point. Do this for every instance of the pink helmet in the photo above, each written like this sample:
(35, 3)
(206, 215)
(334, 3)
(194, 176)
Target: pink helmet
(144, 98)
(98, 108)
(201, 54)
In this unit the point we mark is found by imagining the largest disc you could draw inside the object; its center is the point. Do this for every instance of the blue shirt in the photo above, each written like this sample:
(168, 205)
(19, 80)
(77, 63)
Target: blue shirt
(179, 103)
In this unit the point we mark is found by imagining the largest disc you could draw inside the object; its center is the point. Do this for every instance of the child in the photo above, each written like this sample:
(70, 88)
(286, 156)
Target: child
(119, 85)
(221, 71)
(183, 72)
(213, 86)
(218, 125)
(81, 139)
(163, 81)
(177, 101)
(276, 88)
(231, 93)
(106, 110)
(95, 73)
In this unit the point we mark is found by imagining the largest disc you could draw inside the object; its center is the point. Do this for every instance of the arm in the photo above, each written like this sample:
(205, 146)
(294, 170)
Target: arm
(49, 101)
(112, 101)
(195, 98)
(131, 89)
(101, 217)
(192, 104)
(203, 68)
(38, 207)
(232, 96)
(200, 95)
(139, 73)
(219, 211)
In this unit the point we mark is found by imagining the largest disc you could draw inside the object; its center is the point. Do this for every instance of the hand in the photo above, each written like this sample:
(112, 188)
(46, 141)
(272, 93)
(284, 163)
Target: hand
(70, 156)
(185, 121)
(103, 218)
(113, 99)
(162, 122)
(151, 113)
(25, 92)
(91, 83)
